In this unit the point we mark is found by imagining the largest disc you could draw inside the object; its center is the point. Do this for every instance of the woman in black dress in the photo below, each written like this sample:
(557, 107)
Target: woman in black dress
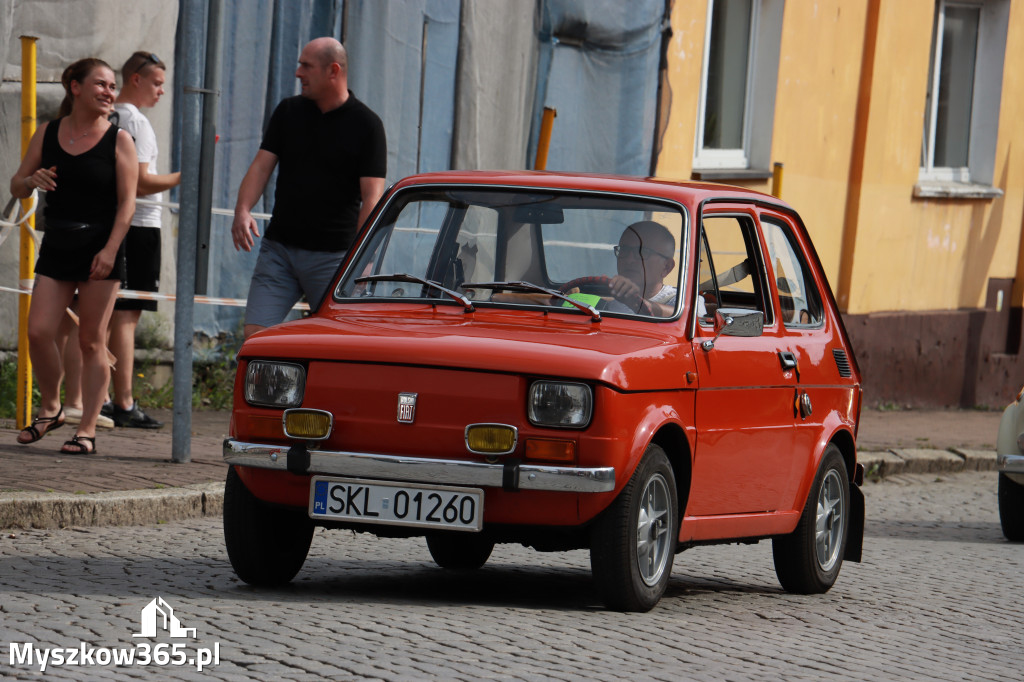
(89, 169)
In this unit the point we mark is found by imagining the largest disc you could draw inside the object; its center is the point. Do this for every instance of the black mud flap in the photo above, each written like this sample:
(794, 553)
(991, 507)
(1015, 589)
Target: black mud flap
(855, 530)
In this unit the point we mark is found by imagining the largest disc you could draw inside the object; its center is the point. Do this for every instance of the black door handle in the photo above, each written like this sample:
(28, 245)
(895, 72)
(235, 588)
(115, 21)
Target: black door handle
(788, 361)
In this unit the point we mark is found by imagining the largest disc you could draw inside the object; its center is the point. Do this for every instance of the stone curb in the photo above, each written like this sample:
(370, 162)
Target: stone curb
(143, 507)
(123, 508)
(895, 461)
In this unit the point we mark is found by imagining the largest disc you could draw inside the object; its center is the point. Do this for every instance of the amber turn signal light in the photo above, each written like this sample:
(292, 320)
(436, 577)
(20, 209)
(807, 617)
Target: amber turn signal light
(550, 450)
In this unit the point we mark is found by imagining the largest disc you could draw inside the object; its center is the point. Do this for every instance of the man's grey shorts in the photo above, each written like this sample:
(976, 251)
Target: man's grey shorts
(283, 273)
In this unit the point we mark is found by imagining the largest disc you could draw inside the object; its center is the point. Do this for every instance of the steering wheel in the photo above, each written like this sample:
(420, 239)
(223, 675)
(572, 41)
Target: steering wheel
(598, 285)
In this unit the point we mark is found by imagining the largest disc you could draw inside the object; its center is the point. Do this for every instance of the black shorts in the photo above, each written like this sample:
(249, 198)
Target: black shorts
(72, 265)
(142, 266)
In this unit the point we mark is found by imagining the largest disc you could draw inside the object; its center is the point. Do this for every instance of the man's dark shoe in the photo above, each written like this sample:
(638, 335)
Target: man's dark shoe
(108, 409)
(135, 418)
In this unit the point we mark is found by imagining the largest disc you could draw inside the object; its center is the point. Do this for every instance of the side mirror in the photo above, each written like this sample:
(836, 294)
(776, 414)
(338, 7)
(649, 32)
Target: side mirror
(736, 322)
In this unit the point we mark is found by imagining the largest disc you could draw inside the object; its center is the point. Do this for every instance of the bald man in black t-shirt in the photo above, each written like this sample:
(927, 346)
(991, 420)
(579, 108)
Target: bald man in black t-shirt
(332, 153)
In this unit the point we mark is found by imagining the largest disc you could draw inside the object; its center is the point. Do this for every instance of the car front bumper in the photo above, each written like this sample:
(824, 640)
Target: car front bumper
(510, 475)
(1012, 466)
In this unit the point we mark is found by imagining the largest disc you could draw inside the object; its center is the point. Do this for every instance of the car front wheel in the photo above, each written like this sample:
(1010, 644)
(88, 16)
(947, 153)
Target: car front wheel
(267, 545)
(807, 561)
(1011, 508)
(633, 542)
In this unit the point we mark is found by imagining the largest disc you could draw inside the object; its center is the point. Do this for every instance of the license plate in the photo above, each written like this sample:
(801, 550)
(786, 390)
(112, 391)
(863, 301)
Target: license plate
(396, 504)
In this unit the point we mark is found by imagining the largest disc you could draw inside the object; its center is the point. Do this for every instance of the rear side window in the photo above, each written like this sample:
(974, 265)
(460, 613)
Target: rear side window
(798, 297)
(730, 274)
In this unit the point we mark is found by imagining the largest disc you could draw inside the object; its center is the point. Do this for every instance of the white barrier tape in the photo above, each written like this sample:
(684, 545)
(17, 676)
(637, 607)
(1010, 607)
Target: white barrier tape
(214, 211)
(153, 296)
(7, 226)
(34, 198)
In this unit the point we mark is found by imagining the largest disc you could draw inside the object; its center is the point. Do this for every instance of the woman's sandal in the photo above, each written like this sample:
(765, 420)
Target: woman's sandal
(51, 423)
(76, 446)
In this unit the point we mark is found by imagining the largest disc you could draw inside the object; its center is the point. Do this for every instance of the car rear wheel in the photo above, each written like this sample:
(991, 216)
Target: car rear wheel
(1011, 508)
(459, 552)
(267, 545)
(633, 542)
(807, 561)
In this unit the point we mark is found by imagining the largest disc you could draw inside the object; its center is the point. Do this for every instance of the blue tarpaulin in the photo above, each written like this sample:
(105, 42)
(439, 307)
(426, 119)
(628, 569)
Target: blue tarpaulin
(598, 68)
(402, 58)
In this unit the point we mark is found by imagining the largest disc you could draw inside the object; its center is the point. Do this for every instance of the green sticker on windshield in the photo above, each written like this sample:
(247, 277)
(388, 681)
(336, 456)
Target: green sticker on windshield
(590, 299)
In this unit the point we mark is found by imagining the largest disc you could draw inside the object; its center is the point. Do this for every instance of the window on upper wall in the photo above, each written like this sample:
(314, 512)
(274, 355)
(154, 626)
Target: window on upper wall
(961, 115)
(738, 83)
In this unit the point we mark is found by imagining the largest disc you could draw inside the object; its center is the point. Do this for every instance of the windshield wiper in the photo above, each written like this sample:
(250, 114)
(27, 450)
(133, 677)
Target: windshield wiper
(403, 277)
(530, 286)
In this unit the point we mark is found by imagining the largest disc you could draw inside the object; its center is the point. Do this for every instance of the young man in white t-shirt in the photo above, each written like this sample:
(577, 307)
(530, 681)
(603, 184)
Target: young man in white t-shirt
(143, 80)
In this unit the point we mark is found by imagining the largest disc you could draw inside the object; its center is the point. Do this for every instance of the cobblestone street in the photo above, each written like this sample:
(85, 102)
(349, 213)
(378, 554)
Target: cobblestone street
(937, 597)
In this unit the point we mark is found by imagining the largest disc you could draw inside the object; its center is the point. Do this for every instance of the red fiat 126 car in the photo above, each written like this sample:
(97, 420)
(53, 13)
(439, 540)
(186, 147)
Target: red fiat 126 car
(563, 361)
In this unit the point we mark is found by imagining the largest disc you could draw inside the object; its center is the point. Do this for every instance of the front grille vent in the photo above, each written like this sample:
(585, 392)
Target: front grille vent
(842, 362)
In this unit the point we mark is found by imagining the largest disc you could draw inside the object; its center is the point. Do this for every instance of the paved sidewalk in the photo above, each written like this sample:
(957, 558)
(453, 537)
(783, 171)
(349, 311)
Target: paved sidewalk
(132, 479)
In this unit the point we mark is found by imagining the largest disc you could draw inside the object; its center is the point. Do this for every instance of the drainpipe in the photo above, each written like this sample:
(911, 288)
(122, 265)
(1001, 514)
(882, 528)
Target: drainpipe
(856, 179)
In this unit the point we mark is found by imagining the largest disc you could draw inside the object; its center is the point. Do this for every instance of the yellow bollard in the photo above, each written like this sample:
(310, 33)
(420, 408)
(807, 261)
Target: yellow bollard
(547, 121)
(27, 257)
(777, 180)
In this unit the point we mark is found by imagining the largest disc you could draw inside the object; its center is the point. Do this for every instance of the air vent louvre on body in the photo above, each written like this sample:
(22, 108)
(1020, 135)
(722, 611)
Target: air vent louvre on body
(842, 362)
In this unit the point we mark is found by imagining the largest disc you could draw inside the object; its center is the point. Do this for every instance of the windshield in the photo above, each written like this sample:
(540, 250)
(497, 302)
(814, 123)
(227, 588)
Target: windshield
(498, 247)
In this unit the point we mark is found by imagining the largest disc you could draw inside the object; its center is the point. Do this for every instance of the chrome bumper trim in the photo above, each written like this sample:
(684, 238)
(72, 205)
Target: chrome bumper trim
(1010, 464)
(421, 470)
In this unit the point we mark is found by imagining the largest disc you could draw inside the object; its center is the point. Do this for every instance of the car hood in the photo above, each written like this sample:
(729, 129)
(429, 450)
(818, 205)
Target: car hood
(627, 354)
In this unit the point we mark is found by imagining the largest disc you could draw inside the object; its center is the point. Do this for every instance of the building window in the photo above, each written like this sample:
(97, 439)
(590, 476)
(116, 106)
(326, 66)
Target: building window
(961, 115)
(947, 123)
(738, 82)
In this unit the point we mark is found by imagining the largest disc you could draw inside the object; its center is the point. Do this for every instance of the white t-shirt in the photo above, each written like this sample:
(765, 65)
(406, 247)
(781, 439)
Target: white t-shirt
(139, 127)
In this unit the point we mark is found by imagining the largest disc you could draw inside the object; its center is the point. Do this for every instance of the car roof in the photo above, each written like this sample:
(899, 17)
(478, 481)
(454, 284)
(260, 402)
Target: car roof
(685, 192)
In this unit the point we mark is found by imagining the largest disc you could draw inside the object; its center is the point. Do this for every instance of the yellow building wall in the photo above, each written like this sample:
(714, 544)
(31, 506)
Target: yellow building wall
(815, 110)
(909, 254)
(929, 254)
(682, 94)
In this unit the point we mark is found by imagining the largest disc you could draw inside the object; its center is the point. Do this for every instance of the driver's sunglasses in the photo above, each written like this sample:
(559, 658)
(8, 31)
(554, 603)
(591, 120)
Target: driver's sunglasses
(150, 58)
(642, 252)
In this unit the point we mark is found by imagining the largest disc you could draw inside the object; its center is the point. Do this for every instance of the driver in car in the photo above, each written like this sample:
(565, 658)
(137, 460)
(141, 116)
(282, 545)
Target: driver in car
(644, 257)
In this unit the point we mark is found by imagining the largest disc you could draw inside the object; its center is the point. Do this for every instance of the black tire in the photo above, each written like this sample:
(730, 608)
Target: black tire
(266, 544)
(1011, 508)
(633, 542)
(805, 562)
(459, 552)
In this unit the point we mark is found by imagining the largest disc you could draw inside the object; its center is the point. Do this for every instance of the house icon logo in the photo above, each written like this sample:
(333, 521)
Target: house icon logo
(158, 614)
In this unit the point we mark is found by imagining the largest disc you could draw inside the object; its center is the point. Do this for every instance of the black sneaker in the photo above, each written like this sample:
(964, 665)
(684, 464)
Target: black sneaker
(135, 418)
(108, 409)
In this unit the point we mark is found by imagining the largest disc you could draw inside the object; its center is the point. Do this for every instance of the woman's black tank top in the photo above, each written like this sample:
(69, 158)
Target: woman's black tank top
(86, 183)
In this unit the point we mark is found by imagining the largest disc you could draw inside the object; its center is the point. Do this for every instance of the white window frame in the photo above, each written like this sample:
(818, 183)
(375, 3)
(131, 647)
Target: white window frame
(762, 78)
(985, 105)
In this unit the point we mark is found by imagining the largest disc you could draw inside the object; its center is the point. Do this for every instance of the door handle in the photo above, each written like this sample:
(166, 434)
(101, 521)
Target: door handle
(788, 361)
